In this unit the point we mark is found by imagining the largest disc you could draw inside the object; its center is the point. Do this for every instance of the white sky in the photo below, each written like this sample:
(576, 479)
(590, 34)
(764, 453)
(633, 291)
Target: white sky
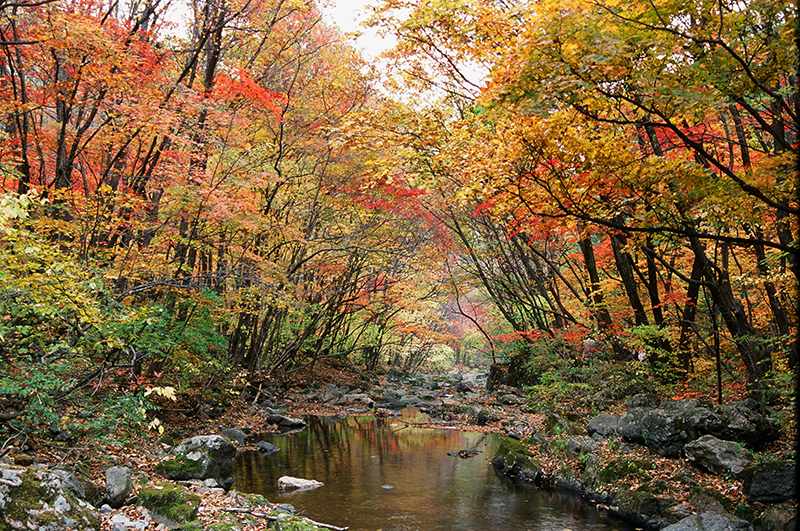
(347, 14)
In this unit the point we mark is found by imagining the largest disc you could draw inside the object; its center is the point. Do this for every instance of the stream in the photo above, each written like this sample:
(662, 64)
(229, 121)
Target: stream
(384, 474)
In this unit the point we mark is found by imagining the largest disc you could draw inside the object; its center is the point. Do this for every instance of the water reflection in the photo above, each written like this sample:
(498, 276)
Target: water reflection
(384, 474)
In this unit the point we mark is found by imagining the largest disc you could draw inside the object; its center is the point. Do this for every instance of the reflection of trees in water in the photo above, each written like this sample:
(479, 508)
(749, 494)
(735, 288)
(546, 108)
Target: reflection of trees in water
(431, 490)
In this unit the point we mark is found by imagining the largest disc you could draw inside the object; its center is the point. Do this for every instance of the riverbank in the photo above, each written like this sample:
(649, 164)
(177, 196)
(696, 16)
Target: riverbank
(611, 471)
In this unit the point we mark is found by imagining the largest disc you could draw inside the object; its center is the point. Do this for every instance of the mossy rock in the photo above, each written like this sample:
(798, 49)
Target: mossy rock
(621, 468)
(705, 499)
(169, 503)
(180, 467)
(514, 460)
(35, 499)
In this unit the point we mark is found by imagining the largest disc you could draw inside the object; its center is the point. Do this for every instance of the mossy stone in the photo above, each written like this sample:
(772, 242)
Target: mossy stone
(40, 500)
(181, 467)
(620, 468)
(169, 503)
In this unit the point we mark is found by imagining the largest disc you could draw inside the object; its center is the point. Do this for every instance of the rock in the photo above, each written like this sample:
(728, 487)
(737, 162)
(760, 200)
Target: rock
(36, 499)
(664, 433)
(332, 395)
(266, 448)
(201, 457)
(170, 504)
(286, 422)
(235, 434)
(781, 517)
(513, 459)
(390, 402)
(290, 483)
(629, 424)
(645, 508)
(717, 456)
(510, 400)
(578, 445)
(461, 387)
(678, 407)
(118, 486)
(640, 401)
(69, 481)
(710, 521)
(360, 398)
(771, 482)
(705, 500)
(740, 423)
(605, 424)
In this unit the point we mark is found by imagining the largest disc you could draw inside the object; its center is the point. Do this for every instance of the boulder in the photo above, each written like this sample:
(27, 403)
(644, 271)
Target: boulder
(678, 407)
(771, 482)
(201, 457)
(717, 456)
(286, 422)
(235, 434)
(629, 424)
(69, 481)
(510, 400)
(118, 486)
(741, 423)
(780, 517)
(578, 445)
(266, 448)
(665, 433)
(390, 401)
(605, 424)
(710, 521)
(331, 395)
(170, 504)
(513, 459)
(704, 500)
(359, 398)
(37, 499)
(290, 483)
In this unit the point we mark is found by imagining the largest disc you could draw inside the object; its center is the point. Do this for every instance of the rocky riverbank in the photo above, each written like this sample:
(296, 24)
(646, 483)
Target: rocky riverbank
(675, 464)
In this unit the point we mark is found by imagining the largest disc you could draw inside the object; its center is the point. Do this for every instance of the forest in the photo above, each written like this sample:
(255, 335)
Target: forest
(222, 193)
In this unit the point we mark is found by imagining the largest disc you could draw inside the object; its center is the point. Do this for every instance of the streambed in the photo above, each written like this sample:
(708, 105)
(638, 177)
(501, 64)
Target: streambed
(384, 474)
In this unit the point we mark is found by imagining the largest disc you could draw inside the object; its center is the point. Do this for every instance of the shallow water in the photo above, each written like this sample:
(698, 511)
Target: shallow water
(382, 474)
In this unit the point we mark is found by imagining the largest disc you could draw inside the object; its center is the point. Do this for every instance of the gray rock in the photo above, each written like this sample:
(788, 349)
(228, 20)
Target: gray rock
(717, 456)
(663, 433)
(605, 424)
(771, 482)
(359, 398)
(291, 483)
(510, 400)
(266, 448)
(332, 395)
(710, 521)
(286, 422)
(118, 486)
(702, 420)
(235, 434)
(390, 402)
(678, 407)
(201, 457)
(781, 517)
(640, 401)
(579, 445)
(69, 481)
(629, 424)
(741, 423)
(54, 507)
